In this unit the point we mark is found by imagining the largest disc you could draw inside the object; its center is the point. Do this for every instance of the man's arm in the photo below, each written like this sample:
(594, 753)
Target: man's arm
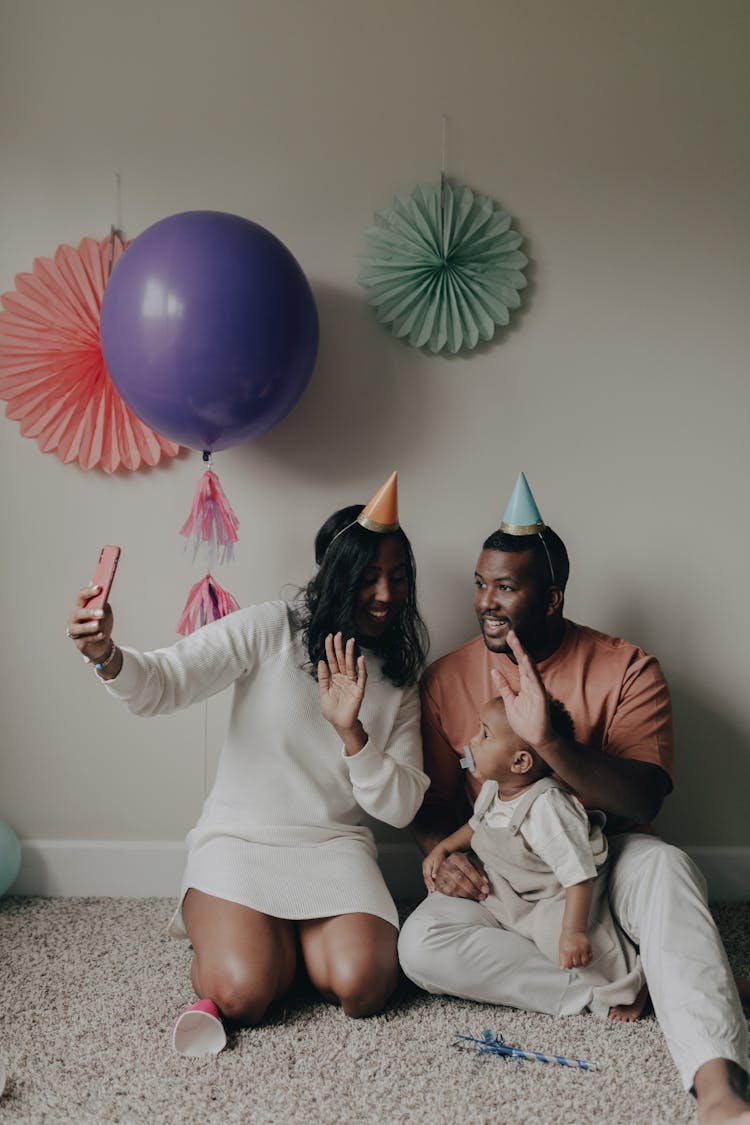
(438, 817)
(459, 875)
(622, 787)
(458, 841)
(433, 823)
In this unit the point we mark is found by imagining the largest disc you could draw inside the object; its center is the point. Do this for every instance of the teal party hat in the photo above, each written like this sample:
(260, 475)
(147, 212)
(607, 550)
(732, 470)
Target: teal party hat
(521, 516)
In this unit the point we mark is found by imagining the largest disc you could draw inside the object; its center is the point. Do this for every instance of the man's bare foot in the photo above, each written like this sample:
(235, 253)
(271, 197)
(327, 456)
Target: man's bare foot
(721, 1090)
(743, 987)
(627, 1013)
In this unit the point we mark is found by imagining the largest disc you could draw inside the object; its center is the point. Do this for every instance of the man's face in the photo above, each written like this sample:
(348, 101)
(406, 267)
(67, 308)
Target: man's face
(508, 594)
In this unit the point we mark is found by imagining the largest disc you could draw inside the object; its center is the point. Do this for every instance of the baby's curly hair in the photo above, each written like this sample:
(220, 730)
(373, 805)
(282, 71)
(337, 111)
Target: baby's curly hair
(562, 724)
(560, 719)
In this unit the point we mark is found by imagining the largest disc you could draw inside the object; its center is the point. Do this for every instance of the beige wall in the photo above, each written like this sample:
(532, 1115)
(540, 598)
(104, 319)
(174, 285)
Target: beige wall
(616, 134)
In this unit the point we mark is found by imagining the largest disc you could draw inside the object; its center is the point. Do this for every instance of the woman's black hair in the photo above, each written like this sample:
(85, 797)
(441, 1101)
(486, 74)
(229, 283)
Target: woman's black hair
(343, 551)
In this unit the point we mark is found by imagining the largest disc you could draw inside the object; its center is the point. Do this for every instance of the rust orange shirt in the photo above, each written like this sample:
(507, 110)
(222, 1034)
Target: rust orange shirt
(615, 692)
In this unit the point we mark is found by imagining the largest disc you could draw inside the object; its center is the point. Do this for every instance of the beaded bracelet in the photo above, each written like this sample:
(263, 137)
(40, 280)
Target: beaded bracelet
(100, 664)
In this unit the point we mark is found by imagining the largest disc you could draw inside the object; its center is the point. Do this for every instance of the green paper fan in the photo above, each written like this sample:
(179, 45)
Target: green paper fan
(442, 276)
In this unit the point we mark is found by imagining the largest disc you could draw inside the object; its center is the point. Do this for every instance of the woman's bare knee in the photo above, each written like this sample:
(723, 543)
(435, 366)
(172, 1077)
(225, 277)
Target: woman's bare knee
(351, 958)
(240, 993)
(363, 991)
(243, 959)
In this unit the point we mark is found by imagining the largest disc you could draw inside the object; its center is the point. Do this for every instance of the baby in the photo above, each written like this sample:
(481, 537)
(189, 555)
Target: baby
(545, 859)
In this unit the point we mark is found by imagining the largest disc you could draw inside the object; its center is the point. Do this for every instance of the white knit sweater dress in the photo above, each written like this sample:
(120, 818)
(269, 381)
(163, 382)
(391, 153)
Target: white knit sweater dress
(281, 831)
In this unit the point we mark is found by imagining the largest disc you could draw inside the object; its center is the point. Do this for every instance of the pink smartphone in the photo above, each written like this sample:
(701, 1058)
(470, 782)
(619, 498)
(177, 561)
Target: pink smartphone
(104, 576)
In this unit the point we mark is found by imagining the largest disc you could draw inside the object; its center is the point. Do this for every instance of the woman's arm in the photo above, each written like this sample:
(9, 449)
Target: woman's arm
(342, 679)
(91, 629)
(460, 875)
(388, 783)
(200, 665)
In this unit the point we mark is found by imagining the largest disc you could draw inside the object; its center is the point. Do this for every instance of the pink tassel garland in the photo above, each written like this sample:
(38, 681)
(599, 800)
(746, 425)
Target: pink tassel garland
(206, 602)
(211, 520)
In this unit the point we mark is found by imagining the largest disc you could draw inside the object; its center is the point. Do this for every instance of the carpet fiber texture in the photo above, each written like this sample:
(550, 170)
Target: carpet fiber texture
(89, 988)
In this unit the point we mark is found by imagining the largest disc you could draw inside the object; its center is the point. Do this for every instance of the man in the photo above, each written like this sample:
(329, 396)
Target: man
(621, 762)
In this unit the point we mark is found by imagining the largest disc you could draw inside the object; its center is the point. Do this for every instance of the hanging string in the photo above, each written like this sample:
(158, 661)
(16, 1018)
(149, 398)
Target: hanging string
(115, 230)
(118, 202)
(205, 749)
(443, 173)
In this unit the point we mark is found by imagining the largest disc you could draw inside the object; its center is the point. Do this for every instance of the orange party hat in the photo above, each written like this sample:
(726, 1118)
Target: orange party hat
(381, 513)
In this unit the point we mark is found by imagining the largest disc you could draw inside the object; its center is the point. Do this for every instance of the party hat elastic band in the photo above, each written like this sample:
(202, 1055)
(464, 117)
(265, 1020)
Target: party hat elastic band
(521, 515)
(381, 513)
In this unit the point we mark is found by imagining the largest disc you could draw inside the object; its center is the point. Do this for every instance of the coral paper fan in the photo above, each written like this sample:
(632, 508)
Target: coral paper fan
(443, 268)
(52, 372)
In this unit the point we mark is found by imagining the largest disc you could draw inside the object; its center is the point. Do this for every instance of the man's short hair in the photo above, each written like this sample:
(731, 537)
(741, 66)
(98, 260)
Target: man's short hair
(536, 543)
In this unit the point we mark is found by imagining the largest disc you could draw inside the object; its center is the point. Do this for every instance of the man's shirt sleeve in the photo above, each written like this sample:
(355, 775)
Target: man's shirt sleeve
(441, 763)
(641, 727)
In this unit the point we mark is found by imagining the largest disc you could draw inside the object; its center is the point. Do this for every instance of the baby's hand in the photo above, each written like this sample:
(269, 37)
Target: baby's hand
(431, 863)
(575, 949)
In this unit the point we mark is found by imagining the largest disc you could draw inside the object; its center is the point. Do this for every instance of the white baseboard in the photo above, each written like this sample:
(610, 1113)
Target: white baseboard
(726, 870)
(153, 868)
(100, 868)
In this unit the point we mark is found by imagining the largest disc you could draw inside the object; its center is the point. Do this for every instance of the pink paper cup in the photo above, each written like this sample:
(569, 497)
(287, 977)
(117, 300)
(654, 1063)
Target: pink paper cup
(199, 1031)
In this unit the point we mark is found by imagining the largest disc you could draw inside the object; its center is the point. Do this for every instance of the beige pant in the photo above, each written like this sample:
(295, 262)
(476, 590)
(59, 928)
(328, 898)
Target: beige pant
(658, 896)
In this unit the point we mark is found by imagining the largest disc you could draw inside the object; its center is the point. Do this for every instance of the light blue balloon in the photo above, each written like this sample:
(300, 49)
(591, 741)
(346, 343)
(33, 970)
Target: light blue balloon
(10, 856)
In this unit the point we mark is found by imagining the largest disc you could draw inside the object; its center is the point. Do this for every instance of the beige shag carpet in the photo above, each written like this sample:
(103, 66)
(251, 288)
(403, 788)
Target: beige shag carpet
(89, 988)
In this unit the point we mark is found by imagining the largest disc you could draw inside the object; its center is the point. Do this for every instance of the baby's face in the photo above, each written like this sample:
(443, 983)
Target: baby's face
(495, 745)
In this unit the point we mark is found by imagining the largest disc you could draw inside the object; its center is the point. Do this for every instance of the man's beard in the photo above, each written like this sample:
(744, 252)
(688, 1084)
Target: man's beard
(531, 632)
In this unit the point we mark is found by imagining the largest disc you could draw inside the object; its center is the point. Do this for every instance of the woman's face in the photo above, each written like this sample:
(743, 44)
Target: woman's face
(383, 589)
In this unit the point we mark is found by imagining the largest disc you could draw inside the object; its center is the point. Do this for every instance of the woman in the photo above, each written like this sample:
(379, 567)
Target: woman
(280, 859)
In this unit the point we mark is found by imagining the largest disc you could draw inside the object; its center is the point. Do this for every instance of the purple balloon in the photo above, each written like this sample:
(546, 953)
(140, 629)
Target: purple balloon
(209, 329)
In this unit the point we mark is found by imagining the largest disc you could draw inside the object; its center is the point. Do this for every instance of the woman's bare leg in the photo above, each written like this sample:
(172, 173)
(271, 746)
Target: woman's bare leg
(351, 959)
(242, 960)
